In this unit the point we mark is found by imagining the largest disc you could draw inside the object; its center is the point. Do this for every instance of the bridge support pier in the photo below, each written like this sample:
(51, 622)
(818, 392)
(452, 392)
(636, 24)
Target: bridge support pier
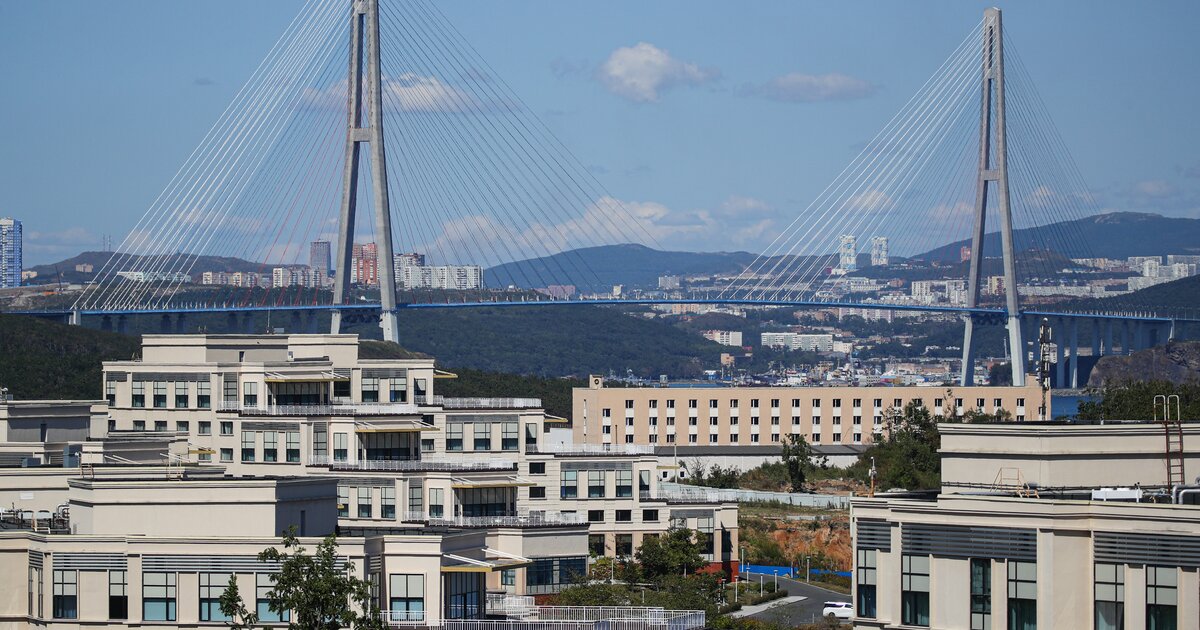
(122, 324)
(1095, 337)
(76, 318)
(1073, 366)
(1108, 337)
(1126, 338)
(1060, 365)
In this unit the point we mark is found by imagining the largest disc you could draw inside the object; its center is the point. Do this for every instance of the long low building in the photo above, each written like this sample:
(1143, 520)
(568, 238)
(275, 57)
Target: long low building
(759, 417)
(1036, 526)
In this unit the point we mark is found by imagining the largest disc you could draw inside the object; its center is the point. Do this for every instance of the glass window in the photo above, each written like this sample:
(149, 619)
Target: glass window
(1110, 596)
(595, 484)
(914, 590)
(595, 516)
(138, 398)
(981, 594)
(158, 596)
(263, 585)
(398, 391)
(211, 587)
(649, 516)
(66, 595)
(1022, 595)
(160, 395)
(454, 436)
(247, 446)
(160, 425)
(624, 483)
(537, 468)
(341, 447)
(483, 437)
(406, 597)
(416, 496)
(250, 394)
(569, 484)
(226, 428)
(343, 501)
(226, 454)
(293, 446)
(364, 502)
(508, 577)
(270, 446)
(510, 436)
(183, 426)
(204, 395)
(1162, 598)
(118, 595)
(866, 582)
(110, 393)
(419, 390)
(624, 516)
(370, 389)
(181, 395)
(624, 547)
(229, 390)
(387, 502)
(537, 492)
(435, 503)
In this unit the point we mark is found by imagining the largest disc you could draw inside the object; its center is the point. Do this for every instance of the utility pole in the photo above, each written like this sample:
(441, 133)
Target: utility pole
(993, 169)
(365, 126)
(1044, 355)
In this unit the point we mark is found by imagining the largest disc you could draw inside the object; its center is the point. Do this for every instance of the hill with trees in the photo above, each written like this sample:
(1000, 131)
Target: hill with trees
(599, 268)
(44, 359)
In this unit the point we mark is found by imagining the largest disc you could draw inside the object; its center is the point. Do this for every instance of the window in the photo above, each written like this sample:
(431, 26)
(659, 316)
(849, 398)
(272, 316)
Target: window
(509, 436)
(483, 437)
(370, 389)
(774, 437)
(692, 439)
(341, 390)
(183, 426)
(270, 446)
(866, 582)
(110, 393)
(857, 419)
(795, 420)
(263, 585)
(816, 421)
(654, 404)
(1020, 402)
(181, 395)
(754, 420)
(775, 420)
(35, 593)
(837, 403)
(649, 516)
(158, 596)
(857, 402)
(1110, 596)
(537, 468)
(713, 421)
(692, 403)
(204, 456)
(406, 597)
(229, 390)
(712, 403)
(624, 546)
(914, 590)
(139, 425)
(343, 501)
(653, 438)
(937, 402)
(624, 483)
(226, 454)
(226, 428)
(878, 403)
(211, 587)
(293, 446)
(733, 438)
(66, 593)
(138, 397)
(997, 403)
(416, 497)
(595, 484)
(247, 446)
(1162, 598)
(118, 595)
(629, 404)
(160, 425)
(537, 492)
(981, 594)
(398, 389)
(341, 447)
(454, 436)
(364, 502)
(508, 577)
(624, 516)
(596, 544)
(733, 421)
(837, 437)
(595, 516)
(670, 404)
(816, 437)
(712, 439)
(1022, 595)
(435, 503)
(606, 413)
(250, 394)
(160, 395)
(387, 502)
(204, 395)
(569, 484)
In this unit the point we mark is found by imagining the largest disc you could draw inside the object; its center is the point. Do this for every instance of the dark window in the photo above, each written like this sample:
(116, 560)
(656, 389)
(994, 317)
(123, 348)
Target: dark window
(66, 594)
(866, 582)
(1110, 596)
(537, 492)
(1022, 595)
(650, 516)
(595, 516)
(1162, 598)
(537, 468)
(624, 516)
(981, 594)
(914, 590)
(624, 547)
(596, 544)
(118, 595)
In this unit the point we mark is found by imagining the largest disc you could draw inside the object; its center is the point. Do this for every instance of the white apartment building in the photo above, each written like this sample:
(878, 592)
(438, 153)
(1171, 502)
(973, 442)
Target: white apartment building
(1036, 526)
(456, 277)
(847, 254)
(11, 261)
(155, 276)
(879, 251)
(725, 337)
(815, 342)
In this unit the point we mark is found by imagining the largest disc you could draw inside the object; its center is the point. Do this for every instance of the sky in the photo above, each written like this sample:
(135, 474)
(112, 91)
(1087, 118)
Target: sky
(738, 111)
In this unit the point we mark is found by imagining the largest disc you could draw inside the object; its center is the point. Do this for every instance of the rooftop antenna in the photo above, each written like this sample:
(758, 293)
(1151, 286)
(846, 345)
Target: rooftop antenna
(1044, 357)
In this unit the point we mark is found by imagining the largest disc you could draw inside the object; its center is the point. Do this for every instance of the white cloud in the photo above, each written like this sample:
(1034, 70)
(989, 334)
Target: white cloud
(797, 87)
(642, 71)
(1154, 188)
(411, 92)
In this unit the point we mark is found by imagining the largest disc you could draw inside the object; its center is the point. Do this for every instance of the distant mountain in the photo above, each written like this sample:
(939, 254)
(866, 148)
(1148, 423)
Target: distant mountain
(598, 268)
(1112, 235)
(50, 273)
(1177, 296)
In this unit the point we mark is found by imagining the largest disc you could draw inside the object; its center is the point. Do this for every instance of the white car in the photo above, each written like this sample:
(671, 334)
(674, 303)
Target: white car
(841, 610)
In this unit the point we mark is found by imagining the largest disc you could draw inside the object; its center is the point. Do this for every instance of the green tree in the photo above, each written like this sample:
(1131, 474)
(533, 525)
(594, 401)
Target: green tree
(1134, 400)
(800, 460)
(676, 552)
(316, 592)
(908, 456)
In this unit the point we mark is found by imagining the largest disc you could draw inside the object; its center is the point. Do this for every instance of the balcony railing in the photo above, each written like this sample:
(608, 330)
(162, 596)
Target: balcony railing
(484, 403)
(592, 449)
(402, 617)
(434, 464)
(535, 519)
(340, 409)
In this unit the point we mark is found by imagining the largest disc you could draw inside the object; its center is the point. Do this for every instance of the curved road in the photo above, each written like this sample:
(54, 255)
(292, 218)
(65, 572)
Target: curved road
(806, 610)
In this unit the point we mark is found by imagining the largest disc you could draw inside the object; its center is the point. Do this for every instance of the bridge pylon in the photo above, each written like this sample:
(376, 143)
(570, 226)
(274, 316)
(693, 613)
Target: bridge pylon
(993, 174)
(365, 126)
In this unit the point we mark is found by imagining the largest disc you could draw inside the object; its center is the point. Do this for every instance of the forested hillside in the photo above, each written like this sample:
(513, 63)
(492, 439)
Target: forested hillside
(44, 359)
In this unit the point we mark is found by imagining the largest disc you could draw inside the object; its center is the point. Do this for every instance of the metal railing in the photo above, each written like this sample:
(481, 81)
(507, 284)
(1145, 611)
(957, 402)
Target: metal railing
(682, 493)
(534, 519)
(593, 449)
(402, 617)
(484, 403)
(434, 464)
(337, 409)
(510, 605)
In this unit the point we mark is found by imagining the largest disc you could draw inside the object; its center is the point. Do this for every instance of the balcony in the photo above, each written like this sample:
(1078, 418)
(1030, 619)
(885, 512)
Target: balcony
(535, 519)
(402, 617)
(432, 464)
(337, 409)
(482, 403)
(592, 449)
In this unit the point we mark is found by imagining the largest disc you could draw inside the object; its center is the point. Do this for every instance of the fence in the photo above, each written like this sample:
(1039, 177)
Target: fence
(789, 572)
(699, 494)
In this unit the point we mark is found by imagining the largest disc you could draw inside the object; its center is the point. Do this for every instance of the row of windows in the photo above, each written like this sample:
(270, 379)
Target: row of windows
(734, 421)
(1162, 584)
(734, 438)
(482, 436)
(284, 393)
(622, 516)
(836, 403)
(597, 484)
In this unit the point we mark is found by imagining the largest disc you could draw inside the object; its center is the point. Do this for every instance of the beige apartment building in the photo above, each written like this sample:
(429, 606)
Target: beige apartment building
(695, 417)
(1036, 526)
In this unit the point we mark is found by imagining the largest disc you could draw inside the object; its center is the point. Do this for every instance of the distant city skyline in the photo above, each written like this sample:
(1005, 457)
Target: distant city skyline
(660, 102)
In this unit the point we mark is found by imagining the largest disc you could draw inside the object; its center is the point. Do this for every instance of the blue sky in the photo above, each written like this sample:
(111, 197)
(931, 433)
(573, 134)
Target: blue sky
(696, 105)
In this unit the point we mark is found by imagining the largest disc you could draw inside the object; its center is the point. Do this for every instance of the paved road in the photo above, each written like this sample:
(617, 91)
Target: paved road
(806, 610)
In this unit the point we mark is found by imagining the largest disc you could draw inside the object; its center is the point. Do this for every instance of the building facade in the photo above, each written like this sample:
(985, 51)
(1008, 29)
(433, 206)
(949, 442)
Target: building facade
(11, 260)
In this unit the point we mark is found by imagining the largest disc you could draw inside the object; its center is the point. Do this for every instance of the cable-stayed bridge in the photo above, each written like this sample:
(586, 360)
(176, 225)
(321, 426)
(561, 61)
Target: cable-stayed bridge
(373, 129)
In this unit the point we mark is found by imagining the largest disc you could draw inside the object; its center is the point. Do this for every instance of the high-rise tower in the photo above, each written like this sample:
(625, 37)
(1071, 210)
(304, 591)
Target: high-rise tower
(10, 253)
